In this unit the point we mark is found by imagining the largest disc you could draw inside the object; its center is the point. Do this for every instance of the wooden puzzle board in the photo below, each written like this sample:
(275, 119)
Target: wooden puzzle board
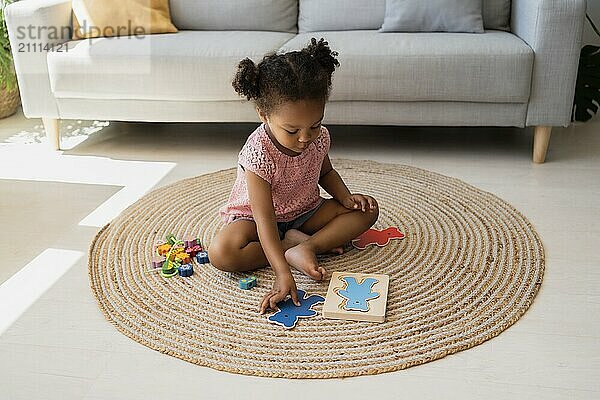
(334, 302)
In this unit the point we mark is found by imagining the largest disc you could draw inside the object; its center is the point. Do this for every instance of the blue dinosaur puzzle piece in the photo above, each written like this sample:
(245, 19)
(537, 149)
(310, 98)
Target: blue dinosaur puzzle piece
(289, 313)
(357, 295)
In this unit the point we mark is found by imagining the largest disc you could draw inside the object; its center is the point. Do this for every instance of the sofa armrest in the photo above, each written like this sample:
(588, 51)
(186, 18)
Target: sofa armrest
(36, 27)
(553, 29)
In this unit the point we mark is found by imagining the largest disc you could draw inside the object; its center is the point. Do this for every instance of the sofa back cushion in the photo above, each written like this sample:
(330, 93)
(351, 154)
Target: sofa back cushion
(98, 18)
(433, 16)
(219, 15)
(340, 15)
(343, 15)
(496, 14)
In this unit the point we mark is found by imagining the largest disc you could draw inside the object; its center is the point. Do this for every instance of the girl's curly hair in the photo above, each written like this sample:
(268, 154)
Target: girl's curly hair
(292, 76)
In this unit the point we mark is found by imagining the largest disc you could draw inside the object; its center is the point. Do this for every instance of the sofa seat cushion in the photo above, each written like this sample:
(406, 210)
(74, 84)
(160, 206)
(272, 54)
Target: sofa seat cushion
(494, 66)
(188, 65)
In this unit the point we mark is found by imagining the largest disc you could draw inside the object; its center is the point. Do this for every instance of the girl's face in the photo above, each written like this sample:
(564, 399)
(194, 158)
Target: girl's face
(295, 125)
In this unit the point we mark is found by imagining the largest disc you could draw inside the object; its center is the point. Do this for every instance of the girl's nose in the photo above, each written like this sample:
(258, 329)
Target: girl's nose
(303, 138)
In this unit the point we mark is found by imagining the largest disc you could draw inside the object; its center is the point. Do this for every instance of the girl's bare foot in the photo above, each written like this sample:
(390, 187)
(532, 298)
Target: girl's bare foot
(304, 259)
(337, 250)
(294, 237)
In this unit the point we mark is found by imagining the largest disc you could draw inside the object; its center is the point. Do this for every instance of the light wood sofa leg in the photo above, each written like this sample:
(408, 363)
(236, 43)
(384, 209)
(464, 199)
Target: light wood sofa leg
(52, 128)
(541, 137)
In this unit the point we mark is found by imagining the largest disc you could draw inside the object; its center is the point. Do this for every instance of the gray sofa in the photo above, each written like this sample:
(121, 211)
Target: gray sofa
(520, 72)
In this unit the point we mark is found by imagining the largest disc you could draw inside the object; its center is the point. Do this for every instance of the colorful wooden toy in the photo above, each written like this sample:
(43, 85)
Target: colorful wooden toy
(357, 297)
(177, 251)
(193, 250)
(202, 257)
(171, 265)
(247, 283)
(186, 270)
(175, 256)
(374, 236)
(183, 257)
(190, 242)
(169, 271)
(171, 239)
(157, 262)
(289, 314)
(163, 249)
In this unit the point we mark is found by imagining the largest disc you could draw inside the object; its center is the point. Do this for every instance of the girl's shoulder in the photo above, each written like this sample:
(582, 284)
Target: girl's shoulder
(323, 142)
(256, 156)
(257, 140)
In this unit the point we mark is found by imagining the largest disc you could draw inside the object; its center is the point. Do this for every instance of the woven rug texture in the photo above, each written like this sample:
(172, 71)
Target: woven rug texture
(469, 267)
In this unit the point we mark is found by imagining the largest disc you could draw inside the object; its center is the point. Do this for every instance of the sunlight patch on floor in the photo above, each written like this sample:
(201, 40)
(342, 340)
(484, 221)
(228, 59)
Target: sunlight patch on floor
(26, 157)
(72, 132)
(23, 289)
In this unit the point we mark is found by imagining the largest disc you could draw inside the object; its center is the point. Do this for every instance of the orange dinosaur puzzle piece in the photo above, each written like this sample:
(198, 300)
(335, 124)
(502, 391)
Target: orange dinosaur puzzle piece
(380, 238)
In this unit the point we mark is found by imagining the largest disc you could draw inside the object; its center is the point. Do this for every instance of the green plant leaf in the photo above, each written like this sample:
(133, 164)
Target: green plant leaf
(8, 78)
(587, 87)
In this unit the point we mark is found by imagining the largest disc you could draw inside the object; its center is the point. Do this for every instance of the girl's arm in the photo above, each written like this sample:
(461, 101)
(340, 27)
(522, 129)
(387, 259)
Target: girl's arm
(263, 213)
(332, 182)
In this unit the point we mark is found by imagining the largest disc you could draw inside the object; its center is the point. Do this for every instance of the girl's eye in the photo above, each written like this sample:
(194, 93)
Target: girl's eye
(312, 127)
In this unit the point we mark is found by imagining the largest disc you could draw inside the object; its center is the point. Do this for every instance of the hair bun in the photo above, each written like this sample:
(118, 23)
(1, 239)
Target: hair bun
(321, 53)
(246, 79)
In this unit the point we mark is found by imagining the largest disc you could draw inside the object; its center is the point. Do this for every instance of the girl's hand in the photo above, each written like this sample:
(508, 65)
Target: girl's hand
(284, 284)
(359, 201)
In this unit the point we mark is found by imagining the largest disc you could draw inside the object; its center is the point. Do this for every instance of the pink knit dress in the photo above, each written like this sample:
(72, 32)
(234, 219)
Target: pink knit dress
(294, 180)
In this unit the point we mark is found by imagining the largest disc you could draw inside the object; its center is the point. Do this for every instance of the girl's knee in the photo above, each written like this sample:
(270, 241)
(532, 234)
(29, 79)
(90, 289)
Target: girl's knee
(218, 255)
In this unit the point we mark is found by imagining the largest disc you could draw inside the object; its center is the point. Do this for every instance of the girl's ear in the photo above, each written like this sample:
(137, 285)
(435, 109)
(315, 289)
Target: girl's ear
(261, 115)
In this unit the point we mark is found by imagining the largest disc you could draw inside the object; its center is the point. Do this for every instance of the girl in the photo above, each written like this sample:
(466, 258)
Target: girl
(275, 215)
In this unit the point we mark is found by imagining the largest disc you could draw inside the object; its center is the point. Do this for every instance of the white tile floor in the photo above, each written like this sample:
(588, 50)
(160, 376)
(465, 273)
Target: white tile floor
(53, 204)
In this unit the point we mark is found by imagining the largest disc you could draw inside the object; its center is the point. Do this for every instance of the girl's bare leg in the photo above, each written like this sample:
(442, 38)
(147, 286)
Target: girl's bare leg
(331, 226)
(236, 247)
(294, 237)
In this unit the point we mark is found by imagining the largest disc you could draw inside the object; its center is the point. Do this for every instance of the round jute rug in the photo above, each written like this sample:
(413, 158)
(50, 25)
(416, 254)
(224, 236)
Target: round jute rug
(469, 267)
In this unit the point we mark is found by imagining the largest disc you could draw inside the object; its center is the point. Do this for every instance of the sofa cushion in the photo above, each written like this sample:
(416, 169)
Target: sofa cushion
(433, 16)
(188, 65)
(493, 66)
(496, 14)
(120, 18)
(253, 15)
(340, 15)
(343, 15)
